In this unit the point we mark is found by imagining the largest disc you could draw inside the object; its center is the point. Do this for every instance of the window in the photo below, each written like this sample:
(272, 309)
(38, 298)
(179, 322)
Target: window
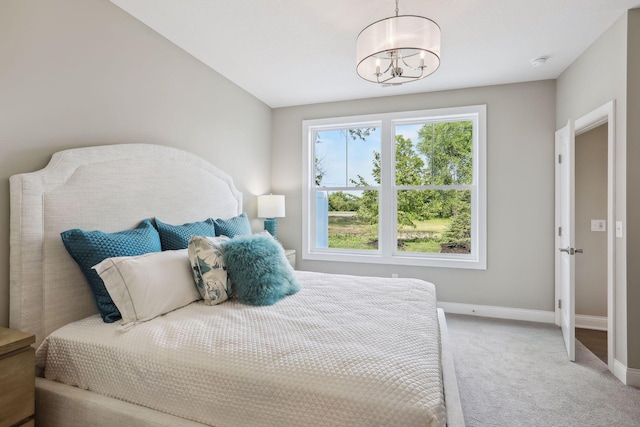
(399, 188)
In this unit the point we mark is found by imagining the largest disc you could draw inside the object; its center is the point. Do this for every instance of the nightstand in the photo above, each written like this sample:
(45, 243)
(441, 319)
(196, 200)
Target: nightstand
(291, 257)
(17, 378)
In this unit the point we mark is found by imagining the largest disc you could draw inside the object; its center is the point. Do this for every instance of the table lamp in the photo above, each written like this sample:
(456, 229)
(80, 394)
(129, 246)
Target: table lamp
(270, 207)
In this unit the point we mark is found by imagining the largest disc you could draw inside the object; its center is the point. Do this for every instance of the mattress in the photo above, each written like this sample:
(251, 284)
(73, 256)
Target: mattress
(345, 350)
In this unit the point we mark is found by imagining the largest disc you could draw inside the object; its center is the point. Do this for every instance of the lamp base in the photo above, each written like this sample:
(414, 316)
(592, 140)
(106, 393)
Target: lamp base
(271, 225)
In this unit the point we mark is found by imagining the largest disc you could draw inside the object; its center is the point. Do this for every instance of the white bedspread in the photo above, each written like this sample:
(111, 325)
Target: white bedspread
(343, 351)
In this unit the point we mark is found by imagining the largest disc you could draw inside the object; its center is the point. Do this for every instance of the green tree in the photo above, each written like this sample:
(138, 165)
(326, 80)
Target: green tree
(448, 149)
(343, 202)
(442, 156)
(459, 231)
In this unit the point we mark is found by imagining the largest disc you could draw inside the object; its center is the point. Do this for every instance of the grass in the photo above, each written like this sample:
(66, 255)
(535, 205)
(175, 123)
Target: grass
(346, 232)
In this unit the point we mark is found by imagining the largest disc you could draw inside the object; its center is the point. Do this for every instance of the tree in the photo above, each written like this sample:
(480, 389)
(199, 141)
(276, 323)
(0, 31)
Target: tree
(459, 231)
(343, 202)
(448, 149)
(442, 156)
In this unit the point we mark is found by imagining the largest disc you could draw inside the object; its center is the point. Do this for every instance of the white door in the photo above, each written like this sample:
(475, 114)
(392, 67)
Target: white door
(565, 235)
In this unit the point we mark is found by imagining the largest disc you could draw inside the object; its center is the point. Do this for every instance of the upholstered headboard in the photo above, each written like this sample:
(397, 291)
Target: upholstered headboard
(108, 188)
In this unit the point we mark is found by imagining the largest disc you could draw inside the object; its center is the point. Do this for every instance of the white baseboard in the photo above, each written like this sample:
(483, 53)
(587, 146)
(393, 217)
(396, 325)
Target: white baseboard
(596, 323)
(498, 312)
(633, 377)
(628, 376)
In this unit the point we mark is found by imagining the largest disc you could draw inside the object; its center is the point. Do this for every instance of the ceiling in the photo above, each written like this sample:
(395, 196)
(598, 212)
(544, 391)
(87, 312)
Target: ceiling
(294, 52)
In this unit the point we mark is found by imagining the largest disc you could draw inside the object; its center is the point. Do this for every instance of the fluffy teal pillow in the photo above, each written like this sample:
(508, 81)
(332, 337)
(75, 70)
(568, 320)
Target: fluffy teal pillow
(175, 237)
(89, 248)
(259, 271)
(231, 227)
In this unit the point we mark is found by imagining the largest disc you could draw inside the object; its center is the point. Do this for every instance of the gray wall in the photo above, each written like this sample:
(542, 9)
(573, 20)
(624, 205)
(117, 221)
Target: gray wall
(591, 203)
(633, 187)
(598, 76)
(520, 152)
(83, 72)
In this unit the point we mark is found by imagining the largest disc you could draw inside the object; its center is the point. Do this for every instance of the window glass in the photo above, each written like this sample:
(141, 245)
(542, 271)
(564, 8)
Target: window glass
(343, 223)
(434, 221)
(400, 188)
(344, 157)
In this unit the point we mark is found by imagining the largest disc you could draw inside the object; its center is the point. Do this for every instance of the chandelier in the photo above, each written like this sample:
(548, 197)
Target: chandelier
(398, 49)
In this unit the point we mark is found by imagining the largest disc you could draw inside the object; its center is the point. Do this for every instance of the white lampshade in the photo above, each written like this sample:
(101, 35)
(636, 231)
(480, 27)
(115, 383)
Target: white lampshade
(398, 50)
(271, 206)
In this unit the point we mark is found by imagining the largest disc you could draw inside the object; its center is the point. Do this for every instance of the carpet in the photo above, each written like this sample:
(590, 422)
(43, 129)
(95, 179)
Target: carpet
(514, 373)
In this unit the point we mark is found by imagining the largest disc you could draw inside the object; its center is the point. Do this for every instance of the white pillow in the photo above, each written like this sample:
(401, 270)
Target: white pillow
(146, 286)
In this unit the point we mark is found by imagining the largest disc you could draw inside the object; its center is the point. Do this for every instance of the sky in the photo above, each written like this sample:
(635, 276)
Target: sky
(334, 147)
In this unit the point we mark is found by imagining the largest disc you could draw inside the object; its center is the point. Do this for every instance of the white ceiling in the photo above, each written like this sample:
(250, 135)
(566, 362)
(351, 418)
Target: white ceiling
(294, 52)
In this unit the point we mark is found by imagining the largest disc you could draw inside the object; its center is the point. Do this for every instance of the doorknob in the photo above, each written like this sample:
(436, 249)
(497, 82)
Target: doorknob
(571, 251)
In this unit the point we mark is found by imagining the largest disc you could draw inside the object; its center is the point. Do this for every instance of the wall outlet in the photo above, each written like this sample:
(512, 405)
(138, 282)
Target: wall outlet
(598, 225)
(394, 275)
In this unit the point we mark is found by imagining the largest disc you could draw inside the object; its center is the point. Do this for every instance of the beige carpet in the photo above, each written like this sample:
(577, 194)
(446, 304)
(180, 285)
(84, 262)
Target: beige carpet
(513, 373)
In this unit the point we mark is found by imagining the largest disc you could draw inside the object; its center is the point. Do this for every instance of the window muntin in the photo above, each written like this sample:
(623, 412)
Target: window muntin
(422, 175)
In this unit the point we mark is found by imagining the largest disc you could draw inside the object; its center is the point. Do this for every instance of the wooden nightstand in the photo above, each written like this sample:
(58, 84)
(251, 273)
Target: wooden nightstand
(17, 378)
(291, 257)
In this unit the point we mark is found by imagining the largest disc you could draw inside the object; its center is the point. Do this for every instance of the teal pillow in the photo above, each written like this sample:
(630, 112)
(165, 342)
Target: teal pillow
(175, 237)
(236, 226)
(89, 248)
(258, 269)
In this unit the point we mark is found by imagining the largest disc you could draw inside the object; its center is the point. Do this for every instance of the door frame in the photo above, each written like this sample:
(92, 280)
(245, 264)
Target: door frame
(604, 114)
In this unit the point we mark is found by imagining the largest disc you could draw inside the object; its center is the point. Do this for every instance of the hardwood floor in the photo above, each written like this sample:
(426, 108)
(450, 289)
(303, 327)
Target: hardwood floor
(595, 341)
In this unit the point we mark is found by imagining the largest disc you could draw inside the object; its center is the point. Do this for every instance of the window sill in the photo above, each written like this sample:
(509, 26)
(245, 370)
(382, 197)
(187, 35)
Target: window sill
(437, 260)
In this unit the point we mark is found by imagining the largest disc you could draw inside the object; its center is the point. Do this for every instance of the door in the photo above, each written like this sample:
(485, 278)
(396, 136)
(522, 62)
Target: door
(565, 235)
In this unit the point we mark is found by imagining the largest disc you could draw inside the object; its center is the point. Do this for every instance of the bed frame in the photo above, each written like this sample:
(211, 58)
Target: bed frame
(111, 188)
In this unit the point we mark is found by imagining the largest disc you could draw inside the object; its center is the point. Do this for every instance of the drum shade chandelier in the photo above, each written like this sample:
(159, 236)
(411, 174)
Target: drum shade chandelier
(398, 49)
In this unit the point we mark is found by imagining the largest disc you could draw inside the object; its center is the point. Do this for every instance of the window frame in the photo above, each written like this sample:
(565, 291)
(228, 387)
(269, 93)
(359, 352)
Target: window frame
(387, 252)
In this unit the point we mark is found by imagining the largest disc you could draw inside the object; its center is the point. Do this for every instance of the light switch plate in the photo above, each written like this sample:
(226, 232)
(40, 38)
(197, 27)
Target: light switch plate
(598, 225)
(618, 228)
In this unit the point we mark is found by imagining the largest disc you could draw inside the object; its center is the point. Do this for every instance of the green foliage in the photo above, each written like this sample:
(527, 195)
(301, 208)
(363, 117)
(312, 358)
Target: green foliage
(441, 156)
(343, 202)
(459, 231)
(447, 148)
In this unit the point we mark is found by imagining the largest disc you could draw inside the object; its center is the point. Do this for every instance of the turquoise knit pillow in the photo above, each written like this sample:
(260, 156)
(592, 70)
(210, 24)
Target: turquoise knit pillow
(258, 269)
(89, 248)
(175, 237)
(236, 226)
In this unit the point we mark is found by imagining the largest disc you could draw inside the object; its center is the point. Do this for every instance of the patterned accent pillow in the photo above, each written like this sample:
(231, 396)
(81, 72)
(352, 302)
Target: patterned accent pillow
(209, 271)
(236, 226)
(89, 248)
(259, 270)
(174, 237)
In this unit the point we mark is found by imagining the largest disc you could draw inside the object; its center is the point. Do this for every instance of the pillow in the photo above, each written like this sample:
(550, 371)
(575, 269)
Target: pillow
(209, 273)
(259, 270)
(146, 286)
(88, 248)
(236, 226)
(174, 237)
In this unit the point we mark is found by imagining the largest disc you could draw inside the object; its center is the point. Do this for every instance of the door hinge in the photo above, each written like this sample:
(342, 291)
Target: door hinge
(559, 231)
(559, 158)
(559, 304)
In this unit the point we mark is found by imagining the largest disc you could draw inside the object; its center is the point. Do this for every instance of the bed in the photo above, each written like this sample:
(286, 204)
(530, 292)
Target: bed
(344, 350)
